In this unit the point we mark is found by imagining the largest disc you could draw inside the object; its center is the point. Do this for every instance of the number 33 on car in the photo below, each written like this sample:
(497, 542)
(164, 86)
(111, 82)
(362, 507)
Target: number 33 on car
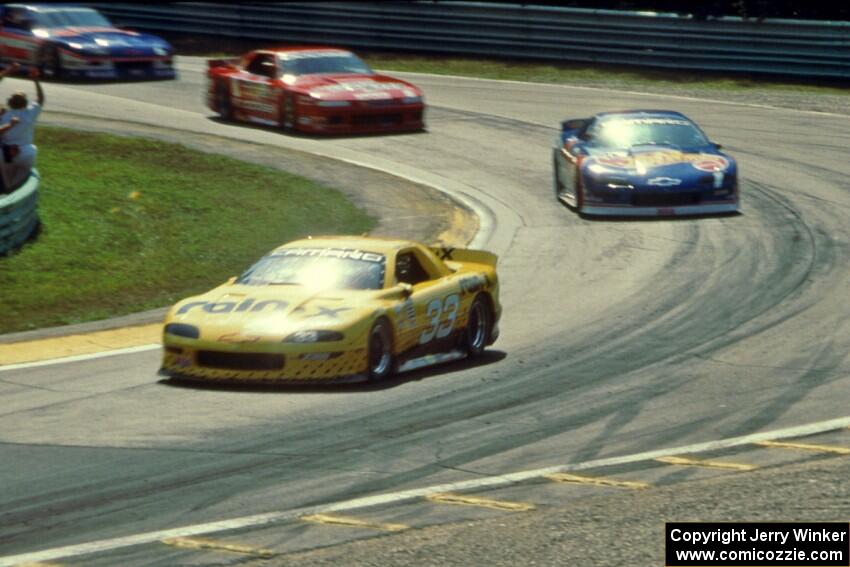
(332, 308)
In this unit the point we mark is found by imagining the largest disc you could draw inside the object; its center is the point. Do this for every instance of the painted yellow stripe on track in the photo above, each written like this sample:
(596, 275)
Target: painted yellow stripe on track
(462, 228)
(448, 498)
(805, 447)
(686, 462)
(596, 481)
(72, 345)
(350, 522)
(213, 545)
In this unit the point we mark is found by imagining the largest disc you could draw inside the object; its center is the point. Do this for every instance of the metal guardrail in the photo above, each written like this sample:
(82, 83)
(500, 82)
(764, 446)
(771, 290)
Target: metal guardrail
(786, 47)
(19, 214)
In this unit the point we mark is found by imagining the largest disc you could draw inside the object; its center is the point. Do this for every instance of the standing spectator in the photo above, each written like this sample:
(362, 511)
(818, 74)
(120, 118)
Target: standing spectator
(4, 186)
(18, 148)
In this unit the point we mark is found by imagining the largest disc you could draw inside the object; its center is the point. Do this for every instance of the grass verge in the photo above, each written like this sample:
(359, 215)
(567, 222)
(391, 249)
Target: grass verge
(132, 224)
(597, 75)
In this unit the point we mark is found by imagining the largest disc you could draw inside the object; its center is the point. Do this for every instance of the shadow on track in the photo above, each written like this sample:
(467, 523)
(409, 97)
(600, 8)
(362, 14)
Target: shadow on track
(246, 386)
(627, 218)
(296, 134)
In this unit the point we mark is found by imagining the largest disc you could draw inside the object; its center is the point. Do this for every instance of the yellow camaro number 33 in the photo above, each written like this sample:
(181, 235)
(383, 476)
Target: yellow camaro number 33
(336, 308)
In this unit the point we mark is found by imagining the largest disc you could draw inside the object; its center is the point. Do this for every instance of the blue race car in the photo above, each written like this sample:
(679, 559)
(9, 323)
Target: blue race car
(642, 163)
(73, 41)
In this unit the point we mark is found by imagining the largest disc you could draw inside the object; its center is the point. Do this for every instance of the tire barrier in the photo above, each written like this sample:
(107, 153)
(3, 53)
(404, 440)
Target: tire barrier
(19, 214)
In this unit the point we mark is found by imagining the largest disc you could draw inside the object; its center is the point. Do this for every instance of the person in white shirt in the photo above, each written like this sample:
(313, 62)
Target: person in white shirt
(18, 148)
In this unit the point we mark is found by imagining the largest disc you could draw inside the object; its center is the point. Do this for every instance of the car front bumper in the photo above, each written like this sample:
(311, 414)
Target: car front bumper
(607, 209)
(77, 66)
(295, 363)
(357, 119)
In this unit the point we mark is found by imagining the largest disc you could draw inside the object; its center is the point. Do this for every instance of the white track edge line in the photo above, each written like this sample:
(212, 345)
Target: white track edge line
(409, 495)
(79, 357)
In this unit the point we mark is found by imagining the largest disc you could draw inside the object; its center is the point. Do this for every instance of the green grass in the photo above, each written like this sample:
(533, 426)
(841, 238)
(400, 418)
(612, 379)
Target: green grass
(133, 224)
(593, 75)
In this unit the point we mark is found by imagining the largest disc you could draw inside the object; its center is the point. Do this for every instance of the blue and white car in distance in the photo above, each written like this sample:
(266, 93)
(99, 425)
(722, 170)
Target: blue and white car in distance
(63, 40)
(642, 163)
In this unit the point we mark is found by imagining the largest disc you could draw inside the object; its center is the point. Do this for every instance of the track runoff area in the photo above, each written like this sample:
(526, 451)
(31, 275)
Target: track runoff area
(687, 544)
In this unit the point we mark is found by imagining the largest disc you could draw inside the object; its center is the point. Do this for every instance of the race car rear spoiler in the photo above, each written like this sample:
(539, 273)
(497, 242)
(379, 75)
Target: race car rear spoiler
(463, 255)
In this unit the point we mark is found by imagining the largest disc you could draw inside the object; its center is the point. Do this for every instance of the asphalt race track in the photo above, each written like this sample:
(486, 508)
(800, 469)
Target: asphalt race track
(618, 337)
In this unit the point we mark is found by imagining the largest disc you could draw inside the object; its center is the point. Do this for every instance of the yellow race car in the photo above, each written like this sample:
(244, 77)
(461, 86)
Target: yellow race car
(332, 308)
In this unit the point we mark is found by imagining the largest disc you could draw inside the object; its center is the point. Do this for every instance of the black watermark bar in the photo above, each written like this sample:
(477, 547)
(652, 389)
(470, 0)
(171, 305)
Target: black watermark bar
(757, 544)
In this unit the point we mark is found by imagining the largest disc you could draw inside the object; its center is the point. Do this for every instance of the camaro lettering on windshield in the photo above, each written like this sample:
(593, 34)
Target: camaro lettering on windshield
(359, 86)
(620, 122)
(310, 54)
(349, 253)
(249, 304)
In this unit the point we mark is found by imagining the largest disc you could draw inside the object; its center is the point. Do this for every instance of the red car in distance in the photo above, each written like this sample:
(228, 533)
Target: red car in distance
(322, 90)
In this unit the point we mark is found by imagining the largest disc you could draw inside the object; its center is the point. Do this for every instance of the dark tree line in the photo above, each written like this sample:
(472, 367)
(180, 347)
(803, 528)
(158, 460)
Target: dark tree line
(838, 10)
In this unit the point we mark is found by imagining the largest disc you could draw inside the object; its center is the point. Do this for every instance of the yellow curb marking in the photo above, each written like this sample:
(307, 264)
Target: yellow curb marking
(566, 477)
(461, 230)
(686, 462)
(448, 498)
(198, 543)
(72, 345)
(348, 521)
(805, 447)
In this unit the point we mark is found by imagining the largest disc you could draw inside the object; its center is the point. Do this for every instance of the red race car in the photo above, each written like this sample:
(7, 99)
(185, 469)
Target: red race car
(312, 89)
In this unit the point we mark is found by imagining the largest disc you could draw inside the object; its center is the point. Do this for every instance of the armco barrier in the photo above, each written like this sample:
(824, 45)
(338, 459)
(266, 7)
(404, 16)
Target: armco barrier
(788, 47)
(19, 214)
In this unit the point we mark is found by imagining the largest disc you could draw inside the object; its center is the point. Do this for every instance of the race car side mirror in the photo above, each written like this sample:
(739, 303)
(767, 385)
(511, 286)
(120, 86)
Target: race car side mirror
(717, 146)
(405, 289)
(574, 124)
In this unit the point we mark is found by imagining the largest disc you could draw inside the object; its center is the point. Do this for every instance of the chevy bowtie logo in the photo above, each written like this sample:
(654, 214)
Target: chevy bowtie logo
(664, 181)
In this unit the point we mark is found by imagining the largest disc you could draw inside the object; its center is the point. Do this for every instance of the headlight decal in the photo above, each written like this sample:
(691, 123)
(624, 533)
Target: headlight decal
(183, 330)
(313, 336)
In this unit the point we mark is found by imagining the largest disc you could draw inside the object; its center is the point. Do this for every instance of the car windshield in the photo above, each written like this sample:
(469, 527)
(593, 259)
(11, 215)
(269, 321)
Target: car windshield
(312, 63)
(77, 17)
(627, 132)
(318, 268)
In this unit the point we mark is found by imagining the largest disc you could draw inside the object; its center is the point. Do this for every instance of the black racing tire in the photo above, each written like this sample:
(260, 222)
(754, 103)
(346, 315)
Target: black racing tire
(479, 326)
(49, 62)
(379, 352)
(579, 194)
(223, 105)
(288, 114)
(557, 186)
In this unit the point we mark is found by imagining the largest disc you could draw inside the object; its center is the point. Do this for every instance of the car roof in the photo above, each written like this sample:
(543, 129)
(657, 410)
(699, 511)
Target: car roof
(50, 7)
(303, 48)
(378, 244)
(642, 113)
